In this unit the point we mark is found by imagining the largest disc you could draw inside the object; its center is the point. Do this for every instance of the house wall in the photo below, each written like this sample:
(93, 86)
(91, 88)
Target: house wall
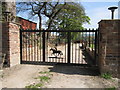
(26, 24)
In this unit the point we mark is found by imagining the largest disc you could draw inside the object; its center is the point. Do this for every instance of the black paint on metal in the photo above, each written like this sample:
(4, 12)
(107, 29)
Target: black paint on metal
(69, 50)
(69, 46)
(20, 47)
(43, 46)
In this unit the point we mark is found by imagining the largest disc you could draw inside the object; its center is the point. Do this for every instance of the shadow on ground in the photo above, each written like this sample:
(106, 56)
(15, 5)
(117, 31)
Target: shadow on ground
(81, 69)
(73, 69)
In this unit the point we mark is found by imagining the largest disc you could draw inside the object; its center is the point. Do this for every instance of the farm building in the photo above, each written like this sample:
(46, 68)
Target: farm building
(26, 24)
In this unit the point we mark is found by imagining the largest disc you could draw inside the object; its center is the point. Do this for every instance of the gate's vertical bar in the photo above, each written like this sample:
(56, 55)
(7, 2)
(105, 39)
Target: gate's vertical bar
(40, 45)
(75, 53)
(72, 51)
(23, 40)
(69, 46)
(89, 38)
(86, 42)
(47, 46)
(20, 46)
(34, 47)
(92, 39)
(65, 50)
(30, 45)
(56, 44)
(43, 46)
(37, 46)
(79, 49)
(26, 46)
(82, 50)
(95, 46)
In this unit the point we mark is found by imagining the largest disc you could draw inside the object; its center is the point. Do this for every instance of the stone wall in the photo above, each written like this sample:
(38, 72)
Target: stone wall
(109, 42)
(11, 43)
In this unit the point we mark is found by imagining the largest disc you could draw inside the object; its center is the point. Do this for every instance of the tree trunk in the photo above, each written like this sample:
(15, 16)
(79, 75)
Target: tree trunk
(49, 25)
(40, 22)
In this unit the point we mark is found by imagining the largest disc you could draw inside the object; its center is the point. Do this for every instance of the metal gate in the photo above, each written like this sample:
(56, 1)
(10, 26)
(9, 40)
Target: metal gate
(58, 46)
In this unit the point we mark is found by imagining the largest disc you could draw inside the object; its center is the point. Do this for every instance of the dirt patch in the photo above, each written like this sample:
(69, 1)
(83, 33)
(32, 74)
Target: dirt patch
(78, 77)
(21, 75)
(63, 77)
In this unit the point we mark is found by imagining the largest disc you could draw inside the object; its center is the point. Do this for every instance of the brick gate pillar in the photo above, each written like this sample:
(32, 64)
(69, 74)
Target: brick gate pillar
(10, 43)
(109, 46)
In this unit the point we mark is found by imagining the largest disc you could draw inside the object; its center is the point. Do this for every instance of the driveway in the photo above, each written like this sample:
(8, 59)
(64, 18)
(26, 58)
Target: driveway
(64, 76)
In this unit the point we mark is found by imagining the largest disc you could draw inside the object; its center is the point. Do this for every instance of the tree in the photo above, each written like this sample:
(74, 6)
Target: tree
(33, 8)
(71, 17)
(39, 9)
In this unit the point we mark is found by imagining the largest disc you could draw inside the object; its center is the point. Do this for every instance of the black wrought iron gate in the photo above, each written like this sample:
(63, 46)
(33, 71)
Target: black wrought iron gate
(58, 46)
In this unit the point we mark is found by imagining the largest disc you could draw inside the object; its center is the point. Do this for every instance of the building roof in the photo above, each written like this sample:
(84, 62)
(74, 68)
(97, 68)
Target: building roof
(26, 19)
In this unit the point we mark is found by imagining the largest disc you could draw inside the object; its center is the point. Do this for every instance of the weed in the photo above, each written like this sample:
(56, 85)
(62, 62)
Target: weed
(1, 76)
(30, 86)
(106, 76)
(39, 85)
(34, 86)
(112, 88)
(44, 78)
(45, 72)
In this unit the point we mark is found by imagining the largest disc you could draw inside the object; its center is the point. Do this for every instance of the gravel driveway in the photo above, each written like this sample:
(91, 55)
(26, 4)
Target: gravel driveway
(63, 77)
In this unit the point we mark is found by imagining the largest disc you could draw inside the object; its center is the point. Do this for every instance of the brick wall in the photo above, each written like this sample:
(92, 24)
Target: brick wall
(26, 24)
(109, 42)
(11, 43)
(0, 37)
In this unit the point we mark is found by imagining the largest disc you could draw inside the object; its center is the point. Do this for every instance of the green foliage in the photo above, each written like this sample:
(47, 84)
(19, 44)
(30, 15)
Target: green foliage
(71, 17)
(92, 46)
(44, 78)
(75, 36)
(67, 16)
(106, 76)
(112, 88)
(36, 10)
(34, 85)
(45, 72)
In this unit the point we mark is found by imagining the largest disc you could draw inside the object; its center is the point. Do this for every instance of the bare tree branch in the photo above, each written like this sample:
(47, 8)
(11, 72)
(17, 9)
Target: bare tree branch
(33, 9)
